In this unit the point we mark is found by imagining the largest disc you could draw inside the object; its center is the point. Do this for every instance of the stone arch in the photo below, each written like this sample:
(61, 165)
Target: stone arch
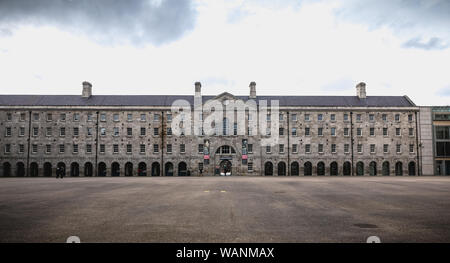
(88, 169)
(412, 168)
(359, 168)
(34, 169)
(61, 169)
(398, 168)
(20, 169)
(74, 169)
(48, 169)
(386, 168)
(295, 169)
(142, 169)
(168, 169)
(6, 169)
(182, 169)
(101, 169)
(334, 169)
(128, 169)
(268, 168)
(307, 171)
(156, 170)
(281, 169)
(373, 168)
(320, 168)
(347, 168)
(115, 169)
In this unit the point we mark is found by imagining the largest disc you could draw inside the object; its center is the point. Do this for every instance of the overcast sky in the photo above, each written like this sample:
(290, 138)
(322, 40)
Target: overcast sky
(287, 47)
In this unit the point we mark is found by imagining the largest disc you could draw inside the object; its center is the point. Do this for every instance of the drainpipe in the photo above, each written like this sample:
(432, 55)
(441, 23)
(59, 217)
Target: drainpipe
(162, 145)
(417, 147)
(351, 136)
(96, 146)
(29, 143)
(288, 147)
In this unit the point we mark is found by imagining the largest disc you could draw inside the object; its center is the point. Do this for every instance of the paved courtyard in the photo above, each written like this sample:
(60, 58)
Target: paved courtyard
(225, 209)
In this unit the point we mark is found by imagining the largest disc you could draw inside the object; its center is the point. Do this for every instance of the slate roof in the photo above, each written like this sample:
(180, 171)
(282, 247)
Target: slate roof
(166, 100)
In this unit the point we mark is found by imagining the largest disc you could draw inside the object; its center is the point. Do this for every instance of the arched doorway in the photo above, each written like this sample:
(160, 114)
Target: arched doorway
(34, 169)
(156, 169)
(115, 169)
(399, 169)
(334, 169)
(412, 168)
(61, 169)
(307, 169)
(386, 168)
(101, 169)
(295, 171)
(47, 169)
(88, 169)
(320, 168)
(6, 169)
(20, 169)
(281, 169)
(74, 170)
(128, 169)
(360, 169)
(182, 169)
(347, 168)
(142, 169)
(225, 168)
(268, 169)
(373, 168)
(168, 169)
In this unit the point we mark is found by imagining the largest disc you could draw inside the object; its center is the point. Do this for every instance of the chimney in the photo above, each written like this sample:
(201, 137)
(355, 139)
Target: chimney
(361, 90)
(252, 90)
(87, 90)
(198, 89)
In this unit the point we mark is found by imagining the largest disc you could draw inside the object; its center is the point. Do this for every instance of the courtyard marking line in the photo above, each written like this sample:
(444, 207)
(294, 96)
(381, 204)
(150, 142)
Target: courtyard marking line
(206, 191)
(223, 191)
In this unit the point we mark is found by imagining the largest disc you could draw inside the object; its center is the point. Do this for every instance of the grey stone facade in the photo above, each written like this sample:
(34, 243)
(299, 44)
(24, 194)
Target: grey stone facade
(347, 136)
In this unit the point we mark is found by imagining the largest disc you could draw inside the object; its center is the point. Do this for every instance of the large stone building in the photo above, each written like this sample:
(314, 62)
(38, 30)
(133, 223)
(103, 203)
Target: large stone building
(103, 135)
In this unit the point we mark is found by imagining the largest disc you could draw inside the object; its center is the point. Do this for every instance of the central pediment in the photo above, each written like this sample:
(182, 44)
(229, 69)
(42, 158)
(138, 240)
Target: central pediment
(225, 96)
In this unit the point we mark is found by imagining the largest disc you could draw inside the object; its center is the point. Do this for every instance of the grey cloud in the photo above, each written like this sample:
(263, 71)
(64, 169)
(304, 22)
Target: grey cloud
(408, 18)
(106, 21)
(433, 43)
(5, 32)
(444, 92)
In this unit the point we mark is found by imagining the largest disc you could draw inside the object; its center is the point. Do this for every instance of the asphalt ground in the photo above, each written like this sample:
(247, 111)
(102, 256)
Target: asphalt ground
(225, 209)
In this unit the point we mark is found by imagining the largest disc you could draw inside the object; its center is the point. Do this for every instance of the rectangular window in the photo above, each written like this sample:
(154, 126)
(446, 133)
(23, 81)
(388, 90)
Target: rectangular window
(411, 131)
(358, 117)
(268, 132)
(442, 132)
(397, 117)
(200, 148)
(88, 148)
(34, 148)
(333, 117)
(346, 148)
(102, 131)
(346, 131)
(9, 117)
(35, 131)
(62, 117)
(333, 148)
(281, 116)
(142, 148)
(360, 148)
(49, 117)
(102, 148)
(281, 148)
(411, 148)
(115, 148)
(35, 116)
(249, 131)
(384, 117)
(156, 117)
(281, 131)
(48, 148)
(268, 149)
(294, 117)
(182, 148)
(75, 148)
(320, 117)
(144, 117)
(22, 131)
(385, 131)
(169, 131)
(8, 148)
(21, 148)
(115, 117)
(250, 167)
(129, 131)
(155, 148)
(103, 117)
(397, 131)
(443, 149)
(307, 117)
(410, 117)
(89, 131)
(372, 148)
(320, 148)
(169, 117)
(200, 166)
(142, 131)
(129, 148)
(345, 117)
(89, 117)
(155, 131)
(307, 131)
(294, 131)
(399, 148)
(307, 148)
(320, 132)
(333, 131)
(8, 132)
(22, 117)
(62, 131)
(268, 116)
(76, 117)
(49, 131)
(61, 148)
(235, 128)
(250, 148)
(359, 131)
(371, 117)
(385, 148)
(76, 131)
(372, 131)
(129, 117)
(116, 131)
(294, 148)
